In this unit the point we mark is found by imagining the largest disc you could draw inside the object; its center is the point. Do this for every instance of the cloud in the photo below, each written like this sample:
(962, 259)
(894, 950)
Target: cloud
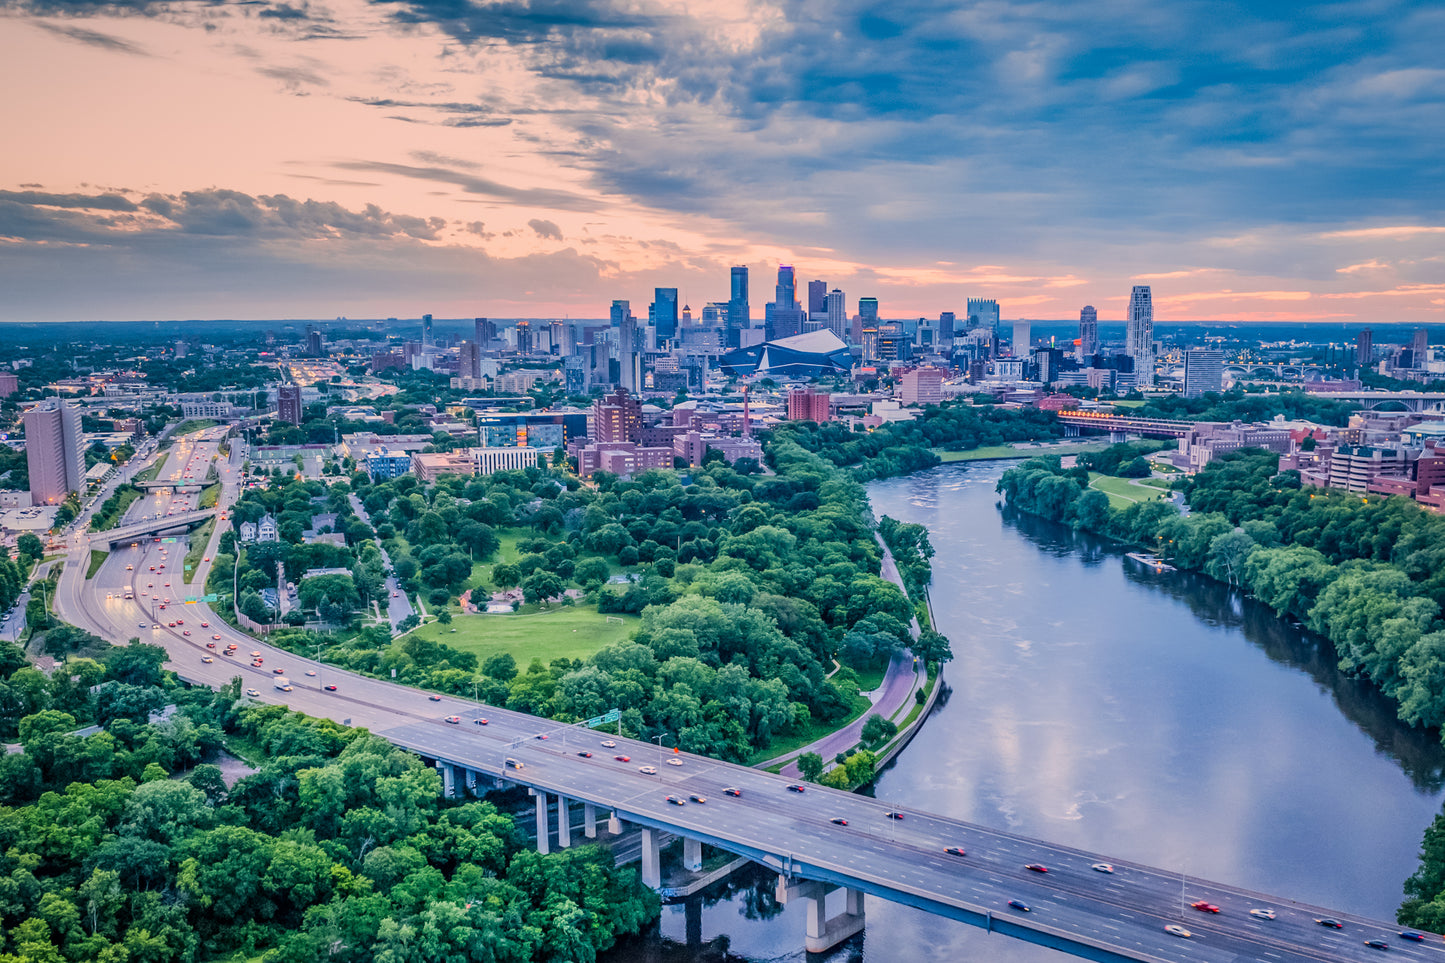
(473, 184)
(1386, 233)
(93, 202)
(92, 38)
(545, 229)
(294, 80)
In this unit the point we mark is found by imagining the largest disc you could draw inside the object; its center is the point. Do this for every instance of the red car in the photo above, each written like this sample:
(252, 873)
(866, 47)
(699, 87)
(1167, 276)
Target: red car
(838, 821)
(256, 664)
(623, 758)
(1037, 868)
(276, 671)
(1204, 907)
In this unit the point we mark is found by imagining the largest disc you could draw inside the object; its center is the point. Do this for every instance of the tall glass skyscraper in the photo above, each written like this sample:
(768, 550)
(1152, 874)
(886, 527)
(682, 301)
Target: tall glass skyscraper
(1088, 333)
(739, 312)
(664, 313)
(1140, 333)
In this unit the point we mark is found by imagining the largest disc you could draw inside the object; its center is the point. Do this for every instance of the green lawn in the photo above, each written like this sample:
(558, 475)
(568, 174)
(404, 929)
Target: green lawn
(127, 498)
(199, 539)
(209, 496)
(573, 632)
(194, 424)
(1162, 483)
(97, 559)
(150, 473)
(1128, 404)
(1009, 451)
(1121, 491)
(482, 571)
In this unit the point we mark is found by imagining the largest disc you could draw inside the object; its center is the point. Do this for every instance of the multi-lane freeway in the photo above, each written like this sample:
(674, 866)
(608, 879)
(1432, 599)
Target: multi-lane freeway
(816, 834)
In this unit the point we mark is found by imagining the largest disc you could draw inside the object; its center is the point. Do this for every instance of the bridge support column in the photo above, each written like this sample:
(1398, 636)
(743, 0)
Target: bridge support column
(564, 823)
(471, 781)
(544, 831)
(691, 855)
(614, 825)
(449, 779)
(824, 933)
(589, 820)
(651, 859)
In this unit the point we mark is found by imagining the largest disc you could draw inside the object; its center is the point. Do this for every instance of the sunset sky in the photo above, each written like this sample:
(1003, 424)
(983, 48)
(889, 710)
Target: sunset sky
(267, 159)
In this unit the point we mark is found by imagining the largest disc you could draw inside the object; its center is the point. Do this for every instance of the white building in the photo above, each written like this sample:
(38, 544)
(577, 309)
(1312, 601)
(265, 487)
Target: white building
(506, 459)
(1140, 334)
(267, 531)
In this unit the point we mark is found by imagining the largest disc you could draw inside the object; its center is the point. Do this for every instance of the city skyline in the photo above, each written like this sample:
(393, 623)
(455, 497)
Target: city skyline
(531, 159)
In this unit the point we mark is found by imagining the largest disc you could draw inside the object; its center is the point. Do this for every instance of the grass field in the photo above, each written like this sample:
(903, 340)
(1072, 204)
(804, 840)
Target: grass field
(1009, 451)
(482, 571)
(150, 473)
(127, 498)
(195, 424)
(1121, 491)
(97, 559)
(573, 632)
(210, 495)
(199, 539)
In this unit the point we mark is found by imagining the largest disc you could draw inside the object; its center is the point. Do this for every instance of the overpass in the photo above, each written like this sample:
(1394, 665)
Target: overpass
(1377, 400)
(816, 841)
(183, 521)
(187, 486)
(1117, 424)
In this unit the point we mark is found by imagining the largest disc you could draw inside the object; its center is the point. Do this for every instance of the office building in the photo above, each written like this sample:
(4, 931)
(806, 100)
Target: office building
(429, 466)
(1140, 334)
(817, 299)
(485, 332)
(1088, 333)
(524, 337)
(982, 313)
(1022, 338)
(560, 344)
(663, 313)
(946, 322)
(489, 460)
(54, 452)
(426, 329)
(921, 386)
(1203, 371)
(738, 317)
(783, 316)
(837, 314)
(868, 311)
(1364, 348)
(314, 346)
(1419, 348)
(805, 404)
(629, 361)
(288, 404)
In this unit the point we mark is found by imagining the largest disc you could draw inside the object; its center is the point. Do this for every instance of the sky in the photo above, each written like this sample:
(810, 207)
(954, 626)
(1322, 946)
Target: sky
(1250, 161)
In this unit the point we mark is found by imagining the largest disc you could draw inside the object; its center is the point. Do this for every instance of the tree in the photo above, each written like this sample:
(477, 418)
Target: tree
(539, 587)
(810, 766)
(30, 546)
(877, 729)
(501, 667)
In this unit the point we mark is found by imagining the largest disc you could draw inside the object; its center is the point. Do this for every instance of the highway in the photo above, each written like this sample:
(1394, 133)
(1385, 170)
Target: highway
(1119, 915)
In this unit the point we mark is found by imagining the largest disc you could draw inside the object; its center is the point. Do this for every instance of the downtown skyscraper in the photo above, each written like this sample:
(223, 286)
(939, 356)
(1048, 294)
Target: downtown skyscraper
(1088, 334)
(54, 451)
(1139, 337)
(739, 312)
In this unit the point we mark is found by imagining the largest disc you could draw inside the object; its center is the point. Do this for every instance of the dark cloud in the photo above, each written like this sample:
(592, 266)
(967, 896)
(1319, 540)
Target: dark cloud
(442, 160)
(546, 230)
(294, 79)
(284, 11)
(93, 38)
(473, 184)
(450, 107)
(522, 21)
(93, 202)
(477, 122)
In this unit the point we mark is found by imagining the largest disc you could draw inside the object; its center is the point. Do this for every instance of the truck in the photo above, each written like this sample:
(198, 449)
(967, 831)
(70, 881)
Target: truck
(283, 683)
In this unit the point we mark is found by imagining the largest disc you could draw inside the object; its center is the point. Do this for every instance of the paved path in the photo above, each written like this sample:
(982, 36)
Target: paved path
(398, 606)
(902, 677)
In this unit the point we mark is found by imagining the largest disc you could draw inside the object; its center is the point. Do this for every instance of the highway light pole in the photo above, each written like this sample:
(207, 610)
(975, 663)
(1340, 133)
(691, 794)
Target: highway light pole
(658, 738)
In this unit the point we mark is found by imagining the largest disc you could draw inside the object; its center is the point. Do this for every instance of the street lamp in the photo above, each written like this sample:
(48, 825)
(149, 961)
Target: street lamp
(658, 739)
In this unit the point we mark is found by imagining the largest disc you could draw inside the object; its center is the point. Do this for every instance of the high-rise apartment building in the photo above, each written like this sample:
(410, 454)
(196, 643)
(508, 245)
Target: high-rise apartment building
(663, 313)
(1203, 371)
(1088, 333)
(739, 313)
(837, 311)
(921, 386)
(629, 362)
(288, 404)
(54, 452)
(616, 418)
(560, 344)
(1023, 338)
(426, 329)
(485, 332)
(1364, 348)
(1140, 334)
(9, 384)
(805, 404)
(469, 360)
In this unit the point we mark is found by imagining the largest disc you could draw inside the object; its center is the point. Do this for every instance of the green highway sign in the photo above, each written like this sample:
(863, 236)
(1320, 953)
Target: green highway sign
(204, 598)
(612, 716)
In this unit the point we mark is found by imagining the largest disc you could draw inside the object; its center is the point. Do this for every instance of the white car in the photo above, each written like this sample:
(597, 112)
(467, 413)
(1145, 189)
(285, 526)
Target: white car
(647, 770)
(674, 761)
(253, 693)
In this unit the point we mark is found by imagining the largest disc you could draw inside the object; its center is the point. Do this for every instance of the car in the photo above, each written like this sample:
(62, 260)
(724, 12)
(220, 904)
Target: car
(252, 693)
(205, 625)
(1204, 907)
(795, 788)
(255, 655)
(434, 698)
(186, 632)
(647, 770)
(256, 664)
(1262, 914)
(674, 761)
(1412, 936)
(584, 753)
(608, 744)
(1037, 868)
(513, 763)
(1102, 868)
(206, 559)
(330, 688)
(1020, 905)
(1377, 944)
(207, 658)
(482, 722)
(393, 595)
(169, 625)
(697, 798)
(955, 851)
(676, 800)
(1174, 929)
(732, 791)
(454, 720)
(540, 735)
(210, 645)
(216, 638)
(276, 671)
(311, 672)
(1331, 923)
(623, 758)
(838, 821)
(894, 814)
(180, 621)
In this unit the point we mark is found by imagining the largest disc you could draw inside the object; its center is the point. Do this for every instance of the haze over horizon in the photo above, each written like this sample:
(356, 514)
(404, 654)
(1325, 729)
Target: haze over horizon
(536, 158)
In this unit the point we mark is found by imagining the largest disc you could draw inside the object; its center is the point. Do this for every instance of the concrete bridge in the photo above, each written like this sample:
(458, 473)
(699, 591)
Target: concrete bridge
(1121, 425)
(182, 522)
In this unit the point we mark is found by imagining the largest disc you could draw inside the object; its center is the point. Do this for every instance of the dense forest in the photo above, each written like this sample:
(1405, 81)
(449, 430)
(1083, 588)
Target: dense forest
(128, 842)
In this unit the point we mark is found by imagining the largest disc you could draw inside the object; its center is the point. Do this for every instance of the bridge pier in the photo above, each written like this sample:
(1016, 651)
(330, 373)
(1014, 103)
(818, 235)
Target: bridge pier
(614, 825)
(651, 859)
(449, 779)
(471, 781)
(544, 831)
(691, 854)
(589, 820)
(564, 823)
(823, 933)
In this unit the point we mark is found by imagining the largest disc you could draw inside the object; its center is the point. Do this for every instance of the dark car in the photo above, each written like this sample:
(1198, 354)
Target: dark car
(584, 754)
(894, 815)
(955, 851)
(623, 758)
(795, 788)
(732, 791)
(1331, 923)
(541, 735)
(1377, 944)
(331, 688)
(675, 800)
(1037, 868)
(434, 698)
(697, 798)
(1020, 905)
(482, 722)
(838, 821)
(1412, 936)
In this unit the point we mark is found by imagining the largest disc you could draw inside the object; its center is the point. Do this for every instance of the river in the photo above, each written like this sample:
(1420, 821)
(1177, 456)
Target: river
(1155, 717)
